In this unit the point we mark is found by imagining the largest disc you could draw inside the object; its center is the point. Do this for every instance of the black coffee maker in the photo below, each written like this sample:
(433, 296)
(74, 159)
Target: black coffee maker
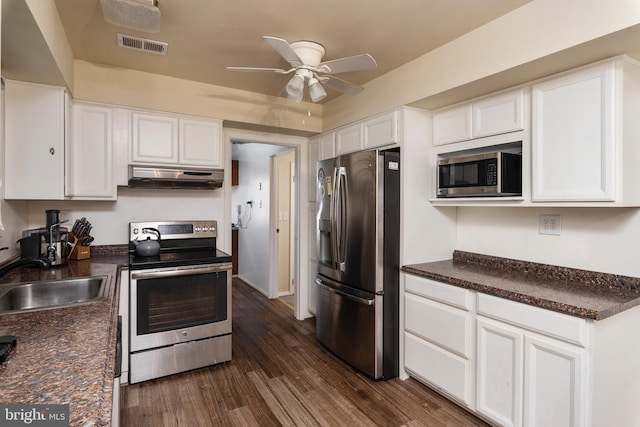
(49, 242)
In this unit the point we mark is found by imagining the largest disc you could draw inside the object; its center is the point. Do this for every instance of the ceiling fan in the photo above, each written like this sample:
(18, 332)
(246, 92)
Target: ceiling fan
(305, 57)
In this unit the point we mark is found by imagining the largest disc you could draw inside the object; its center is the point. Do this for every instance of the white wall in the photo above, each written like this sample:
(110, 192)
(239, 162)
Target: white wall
(253, 238)
(598, 239)
(110, 220)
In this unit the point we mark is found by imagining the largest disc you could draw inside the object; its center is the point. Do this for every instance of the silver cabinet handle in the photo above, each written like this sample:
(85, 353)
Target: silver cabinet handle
(363, 301)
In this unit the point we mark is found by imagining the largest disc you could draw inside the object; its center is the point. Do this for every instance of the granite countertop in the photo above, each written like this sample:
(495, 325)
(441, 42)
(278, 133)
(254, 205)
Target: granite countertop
(65, 355)
(580, 293)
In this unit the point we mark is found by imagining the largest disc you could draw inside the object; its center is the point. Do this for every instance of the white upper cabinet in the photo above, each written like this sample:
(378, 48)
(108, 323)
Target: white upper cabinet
(326, 146)
(173, 140)
(154, 138)
(349, 139)
(380, 130)
(199, 142)
(376, 131)
(452, 125)
(494, 115)
(34, 141)
(498, 114)
(584, 136)
(90, 160)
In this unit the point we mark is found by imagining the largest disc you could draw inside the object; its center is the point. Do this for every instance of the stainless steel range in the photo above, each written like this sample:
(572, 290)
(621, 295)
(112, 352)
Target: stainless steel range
(180, 299)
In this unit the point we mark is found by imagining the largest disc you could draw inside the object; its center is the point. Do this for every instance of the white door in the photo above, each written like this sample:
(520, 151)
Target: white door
(283, 184)
(554, 393)
(499, 372)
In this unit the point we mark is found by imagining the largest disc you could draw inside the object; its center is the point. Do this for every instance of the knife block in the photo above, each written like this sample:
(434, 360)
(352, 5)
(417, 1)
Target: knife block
(79, 251)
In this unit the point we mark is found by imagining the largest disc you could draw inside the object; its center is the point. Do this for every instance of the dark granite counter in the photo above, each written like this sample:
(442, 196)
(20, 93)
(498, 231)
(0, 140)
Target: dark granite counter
(65, 355)
(581, 293)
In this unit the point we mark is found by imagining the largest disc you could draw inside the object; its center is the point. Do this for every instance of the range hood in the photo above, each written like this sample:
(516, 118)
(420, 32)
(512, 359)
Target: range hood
(161, 177)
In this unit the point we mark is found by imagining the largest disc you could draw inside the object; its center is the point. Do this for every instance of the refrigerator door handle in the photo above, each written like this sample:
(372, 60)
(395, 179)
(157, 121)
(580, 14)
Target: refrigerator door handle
(341, 217)
(333, 219)
(363, 301)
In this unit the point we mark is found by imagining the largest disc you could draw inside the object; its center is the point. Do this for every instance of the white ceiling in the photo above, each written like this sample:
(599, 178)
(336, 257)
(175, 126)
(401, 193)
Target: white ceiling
(206, 36)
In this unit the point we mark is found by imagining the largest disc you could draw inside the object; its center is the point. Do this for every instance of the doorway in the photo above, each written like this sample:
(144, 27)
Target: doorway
(264, 275)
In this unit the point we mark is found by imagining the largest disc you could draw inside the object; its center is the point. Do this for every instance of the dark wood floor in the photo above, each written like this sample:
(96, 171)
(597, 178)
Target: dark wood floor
(280, 375)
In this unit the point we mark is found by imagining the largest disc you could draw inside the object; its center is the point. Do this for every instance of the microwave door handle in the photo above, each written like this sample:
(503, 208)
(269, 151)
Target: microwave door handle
(342, 218)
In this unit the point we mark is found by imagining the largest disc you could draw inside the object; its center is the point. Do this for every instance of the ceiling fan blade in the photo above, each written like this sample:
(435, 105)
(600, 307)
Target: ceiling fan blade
(258, 69)
(340, 85)
(352, 63)
(284, 49)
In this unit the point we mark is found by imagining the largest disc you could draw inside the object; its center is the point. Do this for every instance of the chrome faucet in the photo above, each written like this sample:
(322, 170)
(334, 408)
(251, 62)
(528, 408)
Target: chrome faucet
(38, 262)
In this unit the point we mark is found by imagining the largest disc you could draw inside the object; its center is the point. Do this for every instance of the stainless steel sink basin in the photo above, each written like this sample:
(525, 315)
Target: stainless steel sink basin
(49, 294)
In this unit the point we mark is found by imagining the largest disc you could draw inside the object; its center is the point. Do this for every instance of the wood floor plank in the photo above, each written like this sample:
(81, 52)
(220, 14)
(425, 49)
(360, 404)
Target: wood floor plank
(281, 376)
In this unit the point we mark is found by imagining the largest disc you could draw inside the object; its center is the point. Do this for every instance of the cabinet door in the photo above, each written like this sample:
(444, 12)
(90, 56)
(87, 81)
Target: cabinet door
(90, 153)
(381, 130)
(154, 138)
(554, 393)
(452, 125)
(349, 139)
(573, 137)
(327, 146)
(498, 114)
(200, 142)
(34, 141)
(499, 372)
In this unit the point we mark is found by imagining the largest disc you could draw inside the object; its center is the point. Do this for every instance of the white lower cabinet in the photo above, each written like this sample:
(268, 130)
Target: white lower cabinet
(554, 377)
(438, 337)
(514, 364)
(499, 373)
(524, 379)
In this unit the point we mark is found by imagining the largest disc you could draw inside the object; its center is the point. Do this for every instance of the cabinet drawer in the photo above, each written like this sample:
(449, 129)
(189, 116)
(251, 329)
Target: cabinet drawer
(448, 294)
(546, 322)
(438, 367)
(438, 323)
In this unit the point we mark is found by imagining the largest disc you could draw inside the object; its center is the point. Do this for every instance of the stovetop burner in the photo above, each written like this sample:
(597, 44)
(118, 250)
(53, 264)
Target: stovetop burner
(182, 243)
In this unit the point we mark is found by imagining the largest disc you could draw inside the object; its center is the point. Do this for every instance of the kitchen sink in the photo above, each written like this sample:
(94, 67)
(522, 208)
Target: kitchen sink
(50, 294)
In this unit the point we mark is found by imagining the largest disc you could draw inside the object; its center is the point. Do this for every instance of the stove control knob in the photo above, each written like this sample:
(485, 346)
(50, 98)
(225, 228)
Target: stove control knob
(206, 229)
(197, 229)
(136, 231)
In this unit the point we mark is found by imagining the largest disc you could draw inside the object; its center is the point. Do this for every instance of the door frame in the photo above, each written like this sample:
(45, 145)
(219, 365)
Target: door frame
(301, 247)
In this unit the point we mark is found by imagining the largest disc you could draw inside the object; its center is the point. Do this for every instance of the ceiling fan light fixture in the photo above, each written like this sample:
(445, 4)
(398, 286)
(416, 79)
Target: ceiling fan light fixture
(141, 15)
(316, 91)
(295, 88)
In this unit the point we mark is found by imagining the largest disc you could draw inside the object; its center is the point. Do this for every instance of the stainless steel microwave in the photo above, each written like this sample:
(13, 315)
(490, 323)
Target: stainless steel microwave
(487, 174)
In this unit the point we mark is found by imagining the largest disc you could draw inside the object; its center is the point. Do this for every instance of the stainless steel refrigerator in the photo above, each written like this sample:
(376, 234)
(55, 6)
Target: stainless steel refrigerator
(358, 229)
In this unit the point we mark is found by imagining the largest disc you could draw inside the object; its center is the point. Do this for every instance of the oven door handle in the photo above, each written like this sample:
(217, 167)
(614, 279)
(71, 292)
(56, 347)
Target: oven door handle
(180, 272)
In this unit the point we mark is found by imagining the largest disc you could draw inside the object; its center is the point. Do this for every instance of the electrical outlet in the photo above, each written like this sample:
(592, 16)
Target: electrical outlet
(550, 224)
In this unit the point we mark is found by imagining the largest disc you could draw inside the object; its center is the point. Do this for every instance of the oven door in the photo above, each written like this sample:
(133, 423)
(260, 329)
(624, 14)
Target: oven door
(179, 304)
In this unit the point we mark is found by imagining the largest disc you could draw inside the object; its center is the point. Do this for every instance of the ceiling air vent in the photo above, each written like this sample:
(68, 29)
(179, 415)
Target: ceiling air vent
(146, 45)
